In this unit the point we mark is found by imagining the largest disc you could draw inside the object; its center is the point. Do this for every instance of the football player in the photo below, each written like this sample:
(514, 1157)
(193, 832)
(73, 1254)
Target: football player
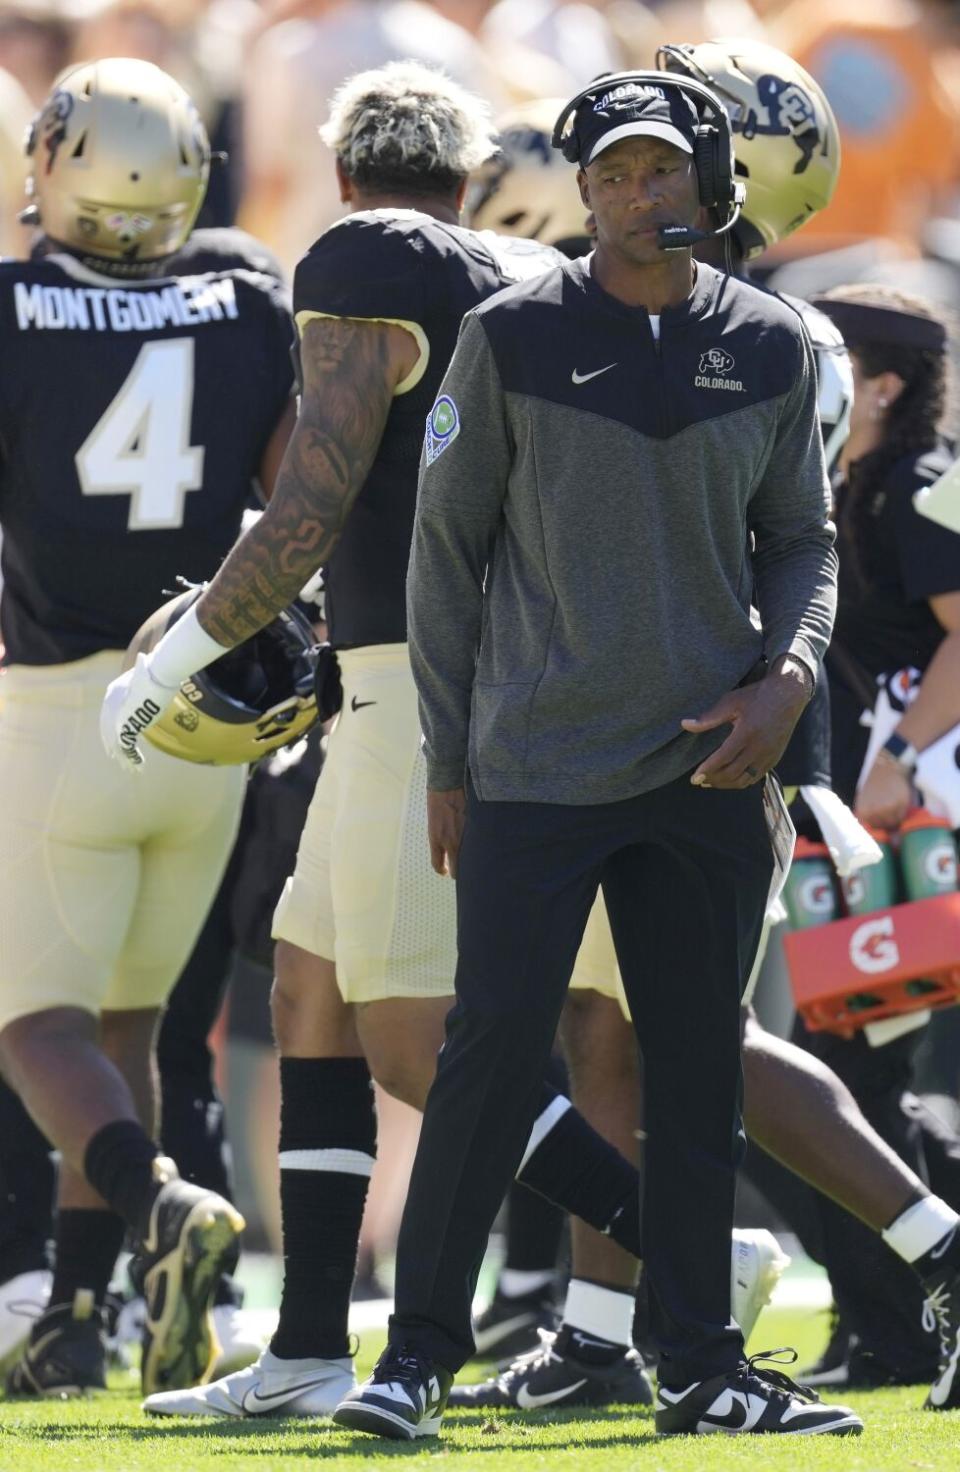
(793, 1104)
(185, 1063)
(365, 929)
(137, 410)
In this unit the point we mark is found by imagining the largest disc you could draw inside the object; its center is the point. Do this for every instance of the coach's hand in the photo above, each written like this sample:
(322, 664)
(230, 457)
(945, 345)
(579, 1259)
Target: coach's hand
(762, 716)
(446, 814)
(134, 700)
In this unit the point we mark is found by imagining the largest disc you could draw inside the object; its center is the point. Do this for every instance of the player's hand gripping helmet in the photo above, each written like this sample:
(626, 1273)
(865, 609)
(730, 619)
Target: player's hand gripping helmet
(785, 135)
(240, 708)
(120, 161)
(528, 188)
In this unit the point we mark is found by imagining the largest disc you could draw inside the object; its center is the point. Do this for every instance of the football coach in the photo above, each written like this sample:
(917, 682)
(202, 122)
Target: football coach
(624, 458)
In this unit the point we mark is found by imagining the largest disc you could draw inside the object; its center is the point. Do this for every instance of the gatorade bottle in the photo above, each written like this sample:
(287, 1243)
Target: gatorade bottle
(809, 894)
(928, 855)
(874, 887)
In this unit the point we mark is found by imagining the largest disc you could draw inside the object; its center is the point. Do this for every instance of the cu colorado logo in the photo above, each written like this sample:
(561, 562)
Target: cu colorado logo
(789, 114)
(873, 947)
(716, 361)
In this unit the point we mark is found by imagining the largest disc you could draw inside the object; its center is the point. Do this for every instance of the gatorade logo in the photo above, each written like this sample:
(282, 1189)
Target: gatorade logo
(940, 866)
(854, 890)
(873, 947)
(816, 895)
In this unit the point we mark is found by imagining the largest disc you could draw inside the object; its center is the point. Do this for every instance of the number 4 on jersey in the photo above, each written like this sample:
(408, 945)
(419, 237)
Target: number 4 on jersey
(140, 446)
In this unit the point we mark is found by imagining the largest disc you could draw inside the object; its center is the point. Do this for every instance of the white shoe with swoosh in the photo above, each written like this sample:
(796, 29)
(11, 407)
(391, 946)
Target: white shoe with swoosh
(269, 1387)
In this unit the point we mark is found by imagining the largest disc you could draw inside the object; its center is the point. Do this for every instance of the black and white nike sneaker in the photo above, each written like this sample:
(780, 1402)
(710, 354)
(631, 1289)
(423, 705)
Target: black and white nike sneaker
(511, 1326)
(66, 1353)
(752, 1400)
(942, 1310)
(191, 1240)
(553, 1376)
(404, 1398)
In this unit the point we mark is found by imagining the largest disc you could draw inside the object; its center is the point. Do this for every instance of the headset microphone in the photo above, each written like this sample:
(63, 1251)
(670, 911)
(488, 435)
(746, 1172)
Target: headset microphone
(682, 237)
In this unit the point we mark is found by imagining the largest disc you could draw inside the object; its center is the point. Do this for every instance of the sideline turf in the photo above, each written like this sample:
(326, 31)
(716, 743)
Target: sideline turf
(110, 1434)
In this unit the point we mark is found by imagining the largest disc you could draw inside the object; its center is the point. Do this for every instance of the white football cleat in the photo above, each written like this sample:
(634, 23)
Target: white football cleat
(22, 1299)
(242, 1337)
(270, 1387)
(757, 1264)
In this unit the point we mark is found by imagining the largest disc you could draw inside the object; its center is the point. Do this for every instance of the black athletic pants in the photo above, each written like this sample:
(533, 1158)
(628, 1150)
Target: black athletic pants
(685, 874)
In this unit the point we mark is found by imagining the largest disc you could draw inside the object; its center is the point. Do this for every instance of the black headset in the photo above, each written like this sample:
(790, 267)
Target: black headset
(712, 147)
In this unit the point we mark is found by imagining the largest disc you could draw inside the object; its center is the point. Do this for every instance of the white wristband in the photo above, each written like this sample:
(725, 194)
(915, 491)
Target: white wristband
(183, 650)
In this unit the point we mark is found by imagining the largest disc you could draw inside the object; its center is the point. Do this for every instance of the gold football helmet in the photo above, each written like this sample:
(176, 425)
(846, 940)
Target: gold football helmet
(258, 697)
(785, 135)
(528, 188)
(120, 161)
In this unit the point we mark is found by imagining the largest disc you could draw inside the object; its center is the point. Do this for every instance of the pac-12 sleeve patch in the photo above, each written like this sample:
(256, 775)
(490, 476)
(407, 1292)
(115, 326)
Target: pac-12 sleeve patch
(443, 426)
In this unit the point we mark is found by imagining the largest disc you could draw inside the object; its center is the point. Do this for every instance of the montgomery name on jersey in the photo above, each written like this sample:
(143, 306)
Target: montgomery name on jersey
(411, 269)
(126, 440)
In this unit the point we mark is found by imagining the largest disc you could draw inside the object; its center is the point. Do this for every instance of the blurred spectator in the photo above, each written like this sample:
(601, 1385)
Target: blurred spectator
(574, 35)
(294, 69)
(35, 38)
(199, 44)
(16, 110)
(899, 123)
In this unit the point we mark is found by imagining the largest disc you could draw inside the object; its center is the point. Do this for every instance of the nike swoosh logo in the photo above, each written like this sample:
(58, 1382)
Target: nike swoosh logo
(253, 1397)
(674, 1397)
(529, 1402)
(356, 704)
(588, 1343)
(736, 1418)
(586, 377)
(937, 1252)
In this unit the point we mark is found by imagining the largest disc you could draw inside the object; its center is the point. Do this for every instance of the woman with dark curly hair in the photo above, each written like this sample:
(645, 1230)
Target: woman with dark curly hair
(899, 588)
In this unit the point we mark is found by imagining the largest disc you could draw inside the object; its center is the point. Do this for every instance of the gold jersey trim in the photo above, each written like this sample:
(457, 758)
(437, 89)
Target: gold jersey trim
(415, 330)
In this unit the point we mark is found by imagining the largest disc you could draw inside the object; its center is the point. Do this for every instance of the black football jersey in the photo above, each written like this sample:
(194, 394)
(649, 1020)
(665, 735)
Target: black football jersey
(406, 267)
(223, 248)
(133, 421)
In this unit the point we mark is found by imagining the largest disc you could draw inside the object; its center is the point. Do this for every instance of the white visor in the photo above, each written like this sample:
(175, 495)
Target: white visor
(640, 129)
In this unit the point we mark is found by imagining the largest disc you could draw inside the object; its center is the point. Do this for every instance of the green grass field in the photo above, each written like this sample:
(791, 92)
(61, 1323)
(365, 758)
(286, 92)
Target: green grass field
(110, 1434)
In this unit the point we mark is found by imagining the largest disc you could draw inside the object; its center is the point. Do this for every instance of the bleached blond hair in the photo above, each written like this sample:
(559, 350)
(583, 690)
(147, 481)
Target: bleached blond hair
(408, 127)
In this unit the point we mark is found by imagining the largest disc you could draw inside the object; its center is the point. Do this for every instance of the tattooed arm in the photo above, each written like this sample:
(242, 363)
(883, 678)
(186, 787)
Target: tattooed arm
(350, 371)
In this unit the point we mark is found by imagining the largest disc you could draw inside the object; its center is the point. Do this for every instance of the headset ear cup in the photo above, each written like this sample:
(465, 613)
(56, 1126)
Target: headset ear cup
(705, 163)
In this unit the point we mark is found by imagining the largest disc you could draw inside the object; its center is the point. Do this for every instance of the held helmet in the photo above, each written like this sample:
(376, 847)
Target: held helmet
(254, 699)
(785, 135)
(528, 188)
(120, 161)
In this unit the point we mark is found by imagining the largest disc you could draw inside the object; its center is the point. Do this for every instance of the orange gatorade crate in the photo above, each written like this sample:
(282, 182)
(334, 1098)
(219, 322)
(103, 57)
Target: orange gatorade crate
(868, 967)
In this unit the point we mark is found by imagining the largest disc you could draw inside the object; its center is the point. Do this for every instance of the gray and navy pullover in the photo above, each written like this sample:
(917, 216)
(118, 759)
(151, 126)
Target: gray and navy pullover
(597, 511)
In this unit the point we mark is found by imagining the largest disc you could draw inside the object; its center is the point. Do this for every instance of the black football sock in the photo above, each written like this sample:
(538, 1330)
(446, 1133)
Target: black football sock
(86, 1252)
(534, 1232)
(534, 1226)
(572, 1165)
(328, 1144)
(27, 1185)
(192, 1130)
(118, 1163)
